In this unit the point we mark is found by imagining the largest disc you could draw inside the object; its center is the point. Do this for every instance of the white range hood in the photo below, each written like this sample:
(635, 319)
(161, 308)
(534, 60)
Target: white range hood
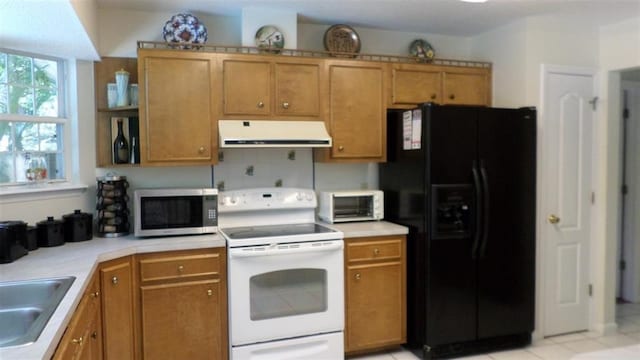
(272, 133)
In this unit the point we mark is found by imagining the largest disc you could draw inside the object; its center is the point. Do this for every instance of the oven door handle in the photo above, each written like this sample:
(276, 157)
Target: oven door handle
(274, 250)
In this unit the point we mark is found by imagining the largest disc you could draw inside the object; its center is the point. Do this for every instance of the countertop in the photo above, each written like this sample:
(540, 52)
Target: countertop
(369, 228)
(82, 258)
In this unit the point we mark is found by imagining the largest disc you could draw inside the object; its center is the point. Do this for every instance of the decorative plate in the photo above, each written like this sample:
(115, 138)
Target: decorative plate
(184, 28)
(342, 40)
(269, 38)
(422, 50)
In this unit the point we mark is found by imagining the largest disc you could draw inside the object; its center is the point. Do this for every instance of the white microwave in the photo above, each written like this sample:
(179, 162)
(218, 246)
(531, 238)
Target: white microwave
(170, 212)
(355, 205)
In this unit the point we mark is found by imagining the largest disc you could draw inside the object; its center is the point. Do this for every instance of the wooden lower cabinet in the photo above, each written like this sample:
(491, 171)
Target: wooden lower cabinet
(375, 291)
(183, 304)
(83, 338)
(116, 280)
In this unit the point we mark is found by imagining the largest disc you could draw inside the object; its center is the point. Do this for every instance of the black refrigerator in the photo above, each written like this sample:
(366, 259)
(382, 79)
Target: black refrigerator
(462, 179)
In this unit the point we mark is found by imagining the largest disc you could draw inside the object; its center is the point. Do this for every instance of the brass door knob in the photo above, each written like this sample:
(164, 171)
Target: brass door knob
(340, 148)
(201, 149)
(260, 105)
(180, 269)
(358, 276)
(77, 341)
(209, 292)
(553, 219)
(114, 280)
(285, 105)
(376, 251)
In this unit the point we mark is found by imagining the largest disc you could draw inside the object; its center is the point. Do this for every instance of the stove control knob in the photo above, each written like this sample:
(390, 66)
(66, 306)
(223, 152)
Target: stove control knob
(299, 196)
(233, 200)
(309, 196)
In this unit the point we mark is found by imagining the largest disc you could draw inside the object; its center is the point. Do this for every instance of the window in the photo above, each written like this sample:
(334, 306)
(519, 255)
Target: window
(32, 118)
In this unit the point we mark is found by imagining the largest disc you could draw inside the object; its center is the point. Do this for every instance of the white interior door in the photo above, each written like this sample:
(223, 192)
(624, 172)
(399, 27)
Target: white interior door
(566, 196)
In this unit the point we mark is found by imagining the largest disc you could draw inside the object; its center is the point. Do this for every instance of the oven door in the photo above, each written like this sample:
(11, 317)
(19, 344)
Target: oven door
(282, 291)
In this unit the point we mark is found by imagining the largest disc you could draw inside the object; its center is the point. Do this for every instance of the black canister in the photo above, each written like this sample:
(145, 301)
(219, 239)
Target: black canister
(78, 226)
(12, 238)
(50, 232)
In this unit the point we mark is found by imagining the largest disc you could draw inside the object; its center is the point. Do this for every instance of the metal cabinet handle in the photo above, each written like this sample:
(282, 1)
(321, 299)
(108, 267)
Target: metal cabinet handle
(77, 341)
(180, 269)
(433, 96)
(114, 280)
(553, 219)
(285, 105)
(358, 276)
(260, 105)
(376, 251)
(95, 294)
(94, 335)
(201, 149)
(209, 292)
(340, 148)
(452, 96)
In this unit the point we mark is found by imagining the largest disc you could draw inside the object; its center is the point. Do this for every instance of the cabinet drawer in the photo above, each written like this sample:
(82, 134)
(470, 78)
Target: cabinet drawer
(390, 248)
(166, 267)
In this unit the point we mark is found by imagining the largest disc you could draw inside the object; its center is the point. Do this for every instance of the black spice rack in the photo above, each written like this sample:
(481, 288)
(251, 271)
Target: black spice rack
(111, 205)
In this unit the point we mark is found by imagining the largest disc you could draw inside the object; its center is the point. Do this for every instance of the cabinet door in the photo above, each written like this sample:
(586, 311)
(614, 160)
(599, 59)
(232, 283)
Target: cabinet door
(117, 309)
(246, 87)
(183, 321)
(468, 88)
(177, 123)
(414, 84)
(357, 111)
(297, 88)
(375, 308)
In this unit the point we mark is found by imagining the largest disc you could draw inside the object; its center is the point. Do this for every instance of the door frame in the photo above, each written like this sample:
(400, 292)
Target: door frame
(541, 185)
(629, 283)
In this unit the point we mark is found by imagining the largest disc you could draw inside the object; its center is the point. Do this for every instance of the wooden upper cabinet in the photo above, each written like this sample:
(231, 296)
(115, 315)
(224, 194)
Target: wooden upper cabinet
(177, 123)
(415, 84)
(357, 111)
(467, 87)
(257, 87)
(297, 88)
(246, 87)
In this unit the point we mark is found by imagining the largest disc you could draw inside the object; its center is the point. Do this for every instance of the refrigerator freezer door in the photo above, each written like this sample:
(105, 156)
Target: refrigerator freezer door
(450, 134)
(507, 148)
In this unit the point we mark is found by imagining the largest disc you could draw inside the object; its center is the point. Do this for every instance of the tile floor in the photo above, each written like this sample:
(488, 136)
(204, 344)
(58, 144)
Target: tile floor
(562, 347)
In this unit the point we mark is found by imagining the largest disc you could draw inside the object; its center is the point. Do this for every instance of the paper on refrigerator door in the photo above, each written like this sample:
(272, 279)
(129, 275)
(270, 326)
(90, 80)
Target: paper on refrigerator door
(416, 129)
(407, 118)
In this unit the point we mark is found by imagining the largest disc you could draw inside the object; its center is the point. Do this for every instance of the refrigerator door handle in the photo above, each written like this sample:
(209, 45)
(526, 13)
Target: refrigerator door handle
(478, 210)
(486, 208)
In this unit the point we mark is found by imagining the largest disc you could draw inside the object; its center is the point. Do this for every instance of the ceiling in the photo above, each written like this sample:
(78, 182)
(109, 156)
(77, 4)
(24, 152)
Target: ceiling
(446, 17)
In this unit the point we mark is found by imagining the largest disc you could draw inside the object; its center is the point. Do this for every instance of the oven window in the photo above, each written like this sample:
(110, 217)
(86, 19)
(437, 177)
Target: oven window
(288, 292)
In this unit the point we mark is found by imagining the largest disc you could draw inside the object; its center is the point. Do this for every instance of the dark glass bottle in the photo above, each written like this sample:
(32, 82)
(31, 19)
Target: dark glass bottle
(120, 147)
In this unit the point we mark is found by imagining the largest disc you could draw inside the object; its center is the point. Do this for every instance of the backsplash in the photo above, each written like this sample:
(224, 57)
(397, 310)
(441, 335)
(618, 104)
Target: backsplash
(266, 167)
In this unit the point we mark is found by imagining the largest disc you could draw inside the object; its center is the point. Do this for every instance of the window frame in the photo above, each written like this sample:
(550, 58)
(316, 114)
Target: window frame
(63, 119)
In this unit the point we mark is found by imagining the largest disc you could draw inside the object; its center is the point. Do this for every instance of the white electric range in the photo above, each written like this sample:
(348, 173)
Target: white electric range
(285, 276)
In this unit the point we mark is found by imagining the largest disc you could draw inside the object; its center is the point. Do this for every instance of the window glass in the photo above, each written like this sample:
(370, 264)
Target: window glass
(31, 125)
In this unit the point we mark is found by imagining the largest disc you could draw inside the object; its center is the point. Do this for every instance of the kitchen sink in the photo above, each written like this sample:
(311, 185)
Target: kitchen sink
(26, 306)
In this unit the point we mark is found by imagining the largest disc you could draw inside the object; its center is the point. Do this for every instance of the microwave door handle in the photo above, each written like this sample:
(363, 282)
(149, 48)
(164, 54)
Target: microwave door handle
(273, 250)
